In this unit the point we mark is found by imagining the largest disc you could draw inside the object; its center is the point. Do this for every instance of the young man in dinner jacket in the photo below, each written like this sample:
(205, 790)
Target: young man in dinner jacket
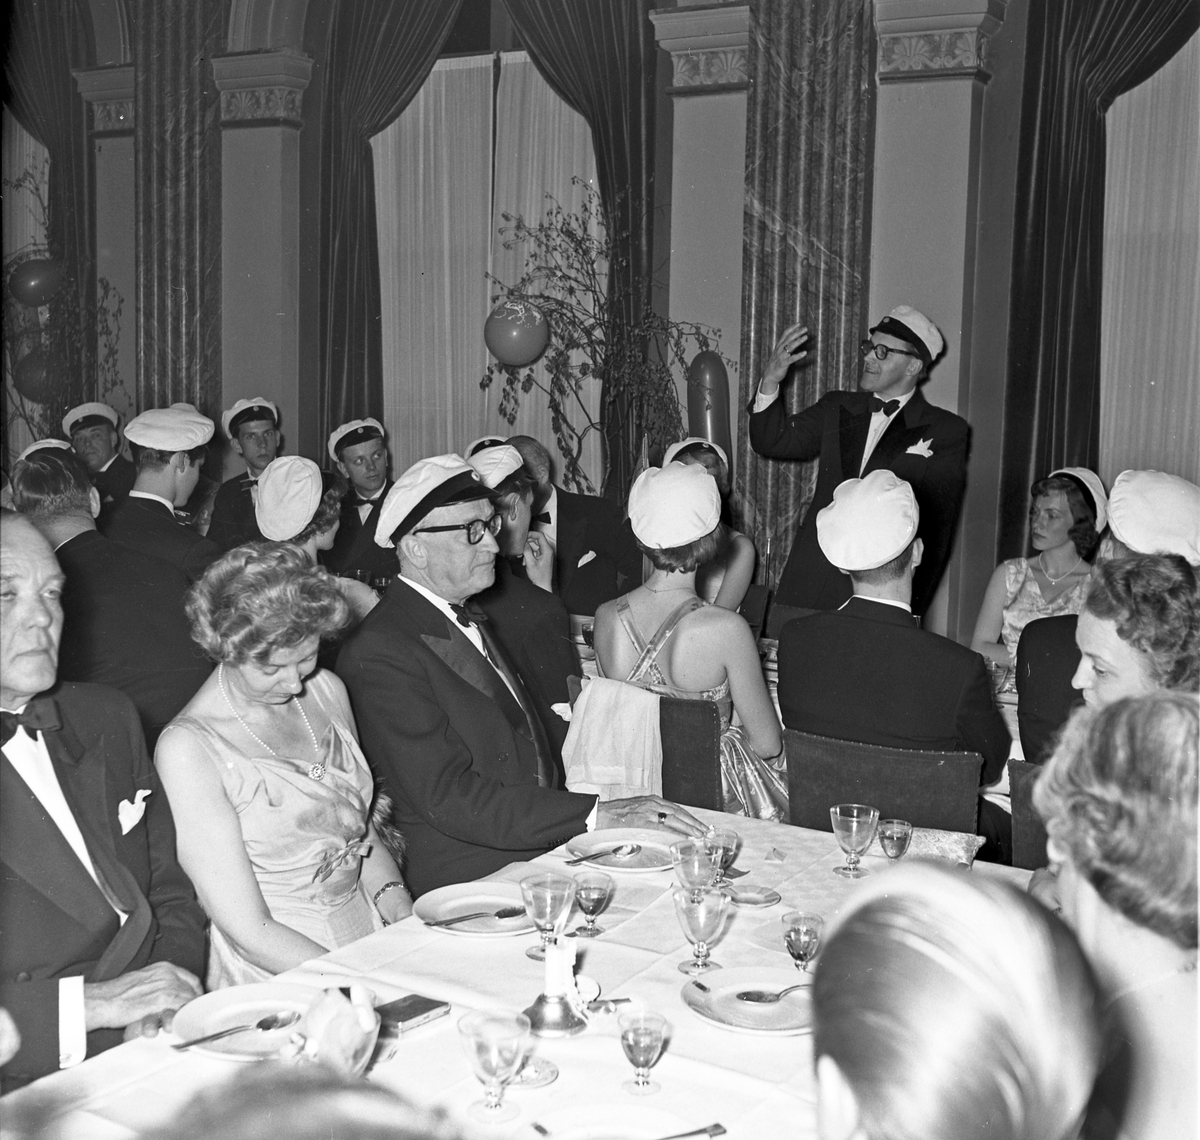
(359, 451)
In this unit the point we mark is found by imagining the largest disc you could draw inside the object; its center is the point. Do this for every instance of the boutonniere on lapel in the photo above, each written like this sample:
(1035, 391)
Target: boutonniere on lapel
(586, 558)
(921, 448)
(130, 814)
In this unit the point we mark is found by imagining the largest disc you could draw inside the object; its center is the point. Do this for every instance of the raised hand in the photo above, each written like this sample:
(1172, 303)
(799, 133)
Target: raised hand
(789, 350)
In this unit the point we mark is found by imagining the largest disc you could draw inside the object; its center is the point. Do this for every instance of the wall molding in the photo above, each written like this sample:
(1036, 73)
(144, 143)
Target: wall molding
(708, 47)
(265, 87)
(109, 92)
(935, 39)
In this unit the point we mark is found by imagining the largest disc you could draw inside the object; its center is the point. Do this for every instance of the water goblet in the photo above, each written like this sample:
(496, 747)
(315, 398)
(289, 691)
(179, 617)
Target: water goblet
(702, 916)
(593, 889)
(495, 1041)
(802, 936)
(642, 1037)
(854, 825)
(695, 864)
(548, 900)
(724, 843)
(894, 837)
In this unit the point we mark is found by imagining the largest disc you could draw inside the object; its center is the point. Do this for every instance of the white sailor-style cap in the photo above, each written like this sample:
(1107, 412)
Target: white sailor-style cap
(351, 434)
(89, 415)
(244, 411)
(177, 428)
(695, 441)
(869, 522)
(44, 445)
(1153, 512)
(1090, 487)
(673, 505)
(495, 464)
(425, 486)
(286, 497)
(906, 324)
(482, 442)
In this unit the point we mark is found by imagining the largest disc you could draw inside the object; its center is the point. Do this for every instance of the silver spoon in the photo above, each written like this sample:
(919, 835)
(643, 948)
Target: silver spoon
(765, 997)
(621, 851)
(263, 1025)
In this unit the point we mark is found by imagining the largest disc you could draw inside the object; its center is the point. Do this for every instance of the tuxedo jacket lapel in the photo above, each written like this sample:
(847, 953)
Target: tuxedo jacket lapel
(899, 434)
(365, 538)
(572, 543)
(853, 427)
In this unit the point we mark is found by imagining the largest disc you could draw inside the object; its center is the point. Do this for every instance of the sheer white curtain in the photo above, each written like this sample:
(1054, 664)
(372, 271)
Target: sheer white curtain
(433, 173)
(540, 144)
(1149, 370)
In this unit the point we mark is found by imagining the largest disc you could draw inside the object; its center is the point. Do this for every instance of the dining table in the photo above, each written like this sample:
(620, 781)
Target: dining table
(758, 1085)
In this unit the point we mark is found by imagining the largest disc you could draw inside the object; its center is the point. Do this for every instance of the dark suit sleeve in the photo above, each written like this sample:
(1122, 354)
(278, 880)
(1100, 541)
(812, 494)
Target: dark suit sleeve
(625, 552)
(201, 556)
(34, 1007)
(978, 722)
(777, 435)
(940, 497)
(1047, 658)
(223, 530)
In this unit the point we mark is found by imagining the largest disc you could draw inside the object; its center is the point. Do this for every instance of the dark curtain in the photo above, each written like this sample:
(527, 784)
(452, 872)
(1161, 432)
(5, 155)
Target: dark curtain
(809, 139)
(380, 53)
(600, 57)
(1080, 55)
(45, 39)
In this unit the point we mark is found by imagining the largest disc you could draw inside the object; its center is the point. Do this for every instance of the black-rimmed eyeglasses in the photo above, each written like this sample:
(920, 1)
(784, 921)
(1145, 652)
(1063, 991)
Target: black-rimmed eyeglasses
(474, 528)
(883, 351)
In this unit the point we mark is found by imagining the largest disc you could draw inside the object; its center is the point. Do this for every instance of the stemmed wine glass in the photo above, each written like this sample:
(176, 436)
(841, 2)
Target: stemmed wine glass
(854, 825)
(642, 1037)
(593, 889)
(695, 864)
(548, 898)
(802, 936)
(702, 916)
(496, 1043)
(724, 843)
(894, 837)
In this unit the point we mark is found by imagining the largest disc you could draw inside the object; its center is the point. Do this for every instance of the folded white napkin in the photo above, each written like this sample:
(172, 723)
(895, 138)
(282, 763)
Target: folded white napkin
(613, 747)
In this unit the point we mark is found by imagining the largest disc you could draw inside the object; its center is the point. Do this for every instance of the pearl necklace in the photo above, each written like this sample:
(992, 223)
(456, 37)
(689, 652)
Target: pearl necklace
(1055, 581)
(315, 771)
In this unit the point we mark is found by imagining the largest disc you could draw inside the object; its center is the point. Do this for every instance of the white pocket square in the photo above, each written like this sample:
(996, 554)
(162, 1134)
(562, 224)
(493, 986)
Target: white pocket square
(130, 814)
(586, 559)
(921, 448)
(562, 709)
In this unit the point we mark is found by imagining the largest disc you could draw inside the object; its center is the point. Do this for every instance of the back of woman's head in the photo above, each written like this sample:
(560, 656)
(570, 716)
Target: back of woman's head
(1119, 797)
(957, 1007)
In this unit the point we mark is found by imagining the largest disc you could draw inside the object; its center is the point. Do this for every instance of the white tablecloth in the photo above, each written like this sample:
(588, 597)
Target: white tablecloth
(760, 1088)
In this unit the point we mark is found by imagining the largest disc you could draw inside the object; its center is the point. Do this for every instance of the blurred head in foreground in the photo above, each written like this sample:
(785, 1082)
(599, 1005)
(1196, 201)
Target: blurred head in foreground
(948, 1006)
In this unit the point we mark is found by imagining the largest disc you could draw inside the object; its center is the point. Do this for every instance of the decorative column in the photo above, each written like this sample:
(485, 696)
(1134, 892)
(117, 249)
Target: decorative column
(261, 96)
(708, 48)
(931, 72)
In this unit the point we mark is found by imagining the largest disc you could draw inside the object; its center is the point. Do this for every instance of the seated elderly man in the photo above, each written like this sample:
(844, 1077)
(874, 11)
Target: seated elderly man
(443, 715)
(102, 933)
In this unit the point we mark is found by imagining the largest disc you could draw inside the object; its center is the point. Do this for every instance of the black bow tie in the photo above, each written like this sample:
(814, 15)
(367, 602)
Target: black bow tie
(36, 716)
(544, 517)
(887, 407)
(467, 618)
(358, 501)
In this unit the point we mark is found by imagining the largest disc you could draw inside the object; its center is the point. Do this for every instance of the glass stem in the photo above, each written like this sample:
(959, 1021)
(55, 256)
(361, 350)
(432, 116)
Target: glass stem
(641, 1077)
(492, 1092)
(701, 953)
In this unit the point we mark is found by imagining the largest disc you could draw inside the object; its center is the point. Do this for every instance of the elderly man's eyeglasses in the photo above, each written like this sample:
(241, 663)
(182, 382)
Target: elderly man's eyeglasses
(474, 528)
(883, 351)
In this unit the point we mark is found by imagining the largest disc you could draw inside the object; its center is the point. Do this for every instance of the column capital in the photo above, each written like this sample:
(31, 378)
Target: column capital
(921, 40)
(262, 88)
(708, 46)
(109, 92)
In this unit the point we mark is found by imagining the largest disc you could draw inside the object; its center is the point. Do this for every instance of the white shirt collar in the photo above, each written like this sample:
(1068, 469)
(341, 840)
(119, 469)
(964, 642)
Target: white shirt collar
(156, 498)
(882, 601)
(430, 596)
(110, 462)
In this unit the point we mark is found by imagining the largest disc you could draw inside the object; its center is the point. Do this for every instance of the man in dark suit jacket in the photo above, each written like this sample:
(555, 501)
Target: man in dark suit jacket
(86, 837)
(443, 715)
(253, 430)
(93, 430)
(169, 446)
(359, 451)
(124, 623)
(1047, 659)
(890, 423)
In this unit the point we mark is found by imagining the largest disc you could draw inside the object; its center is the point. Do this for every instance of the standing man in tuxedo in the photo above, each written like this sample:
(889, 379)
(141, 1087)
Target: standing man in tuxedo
(886, 425)
(100, 933)
(93, 430)
(169, 446)
(359, 451)
(443, 715)
(595, 556)
(252, 427)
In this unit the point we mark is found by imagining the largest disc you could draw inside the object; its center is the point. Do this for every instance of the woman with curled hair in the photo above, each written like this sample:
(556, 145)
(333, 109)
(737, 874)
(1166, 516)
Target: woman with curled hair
(948, 1006)
(664, 637)
(1068, 510)
(1119, 800)
(269, 789)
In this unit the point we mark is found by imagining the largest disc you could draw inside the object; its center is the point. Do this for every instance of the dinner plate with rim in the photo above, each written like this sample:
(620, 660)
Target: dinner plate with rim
(605, 1122)
(243, 1005)
(655, 853)
(721, 1006)
(467, 898)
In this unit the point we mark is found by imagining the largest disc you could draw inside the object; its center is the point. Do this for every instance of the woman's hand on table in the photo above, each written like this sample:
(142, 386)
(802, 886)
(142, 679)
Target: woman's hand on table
(337, 1032)
(394, 905)
(648, 811)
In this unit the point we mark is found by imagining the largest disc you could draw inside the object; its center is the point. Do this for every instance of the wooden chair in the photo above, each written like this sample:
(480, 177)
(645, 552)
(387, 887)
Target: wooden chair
(1028, 831)
(929, 789)
(754, 608)
(778, 616)
(691, 751)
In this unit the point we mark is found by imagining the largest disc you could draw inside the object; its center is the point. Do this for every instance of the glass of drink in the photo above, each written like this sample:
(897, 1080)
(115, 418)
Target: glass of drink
(854, 825)
(695, 864)
(495, 1042)
(724, 843)
(593, 889)
(894, 837)
(702, 916)
(802, 936)
(642, 1037)
(548, 900)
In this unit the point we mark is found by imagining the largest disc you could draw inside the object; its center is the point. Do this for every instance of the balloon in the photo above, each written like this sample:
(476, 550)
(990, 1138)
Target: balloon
(708, 399)
(35, 282)
(38, 376)
(516, 333)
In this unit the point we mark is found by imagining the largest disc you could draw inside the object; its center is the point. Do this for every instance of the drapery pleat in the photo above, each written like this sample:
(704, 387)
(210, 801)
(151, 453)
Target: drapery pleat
(379, 54)
(1080, 55)
(45, 39)
(806, 244)
(600, 57)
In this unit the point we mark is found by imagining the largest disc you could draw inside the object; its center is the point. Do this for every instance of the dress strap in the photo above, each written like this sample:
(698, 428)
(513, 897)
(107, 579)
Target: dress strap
(650, 650)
